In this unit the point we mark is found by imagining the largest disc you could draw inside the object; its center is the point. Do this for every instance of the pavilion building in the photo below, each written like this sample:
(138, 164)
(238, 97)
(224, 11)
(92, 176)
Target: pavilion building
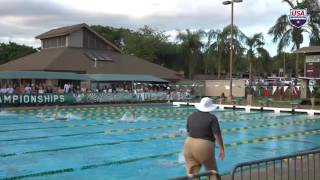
(311, 77)
(80, 54)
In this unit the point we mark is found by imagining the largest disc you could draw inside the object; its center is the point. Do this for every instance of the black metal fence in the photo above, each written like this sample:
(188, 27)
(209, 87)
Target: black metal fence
(208, 175)
(299, 166)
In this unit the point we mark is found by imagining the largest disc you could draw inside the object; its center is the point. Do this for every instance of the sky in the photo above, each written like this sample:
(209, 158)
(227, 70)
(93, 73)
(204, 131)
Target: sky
(22, 20)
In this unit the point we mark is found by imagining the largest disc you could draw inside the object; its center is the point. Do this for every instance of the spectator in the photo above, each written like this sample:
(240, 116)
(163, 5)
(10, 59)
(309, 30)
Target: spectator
(10, 90)
(66, 88)
(222, 98)
(28, 89)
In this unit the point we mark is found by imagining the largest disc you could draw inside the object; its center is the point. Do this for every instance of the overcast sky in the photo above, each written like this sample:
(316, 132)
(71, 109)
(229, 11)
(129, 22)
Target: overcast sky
(22, 20)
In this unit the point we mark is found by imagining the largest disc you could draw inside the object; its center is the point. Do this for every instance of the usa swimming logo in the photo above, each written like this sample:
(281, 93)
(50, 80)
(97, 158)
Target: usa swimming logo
(298, 17)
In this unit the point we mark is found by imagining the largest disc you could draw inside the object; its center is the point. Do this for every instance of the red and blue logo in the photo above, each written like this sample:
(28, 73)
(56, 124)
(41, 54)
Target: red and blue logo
(298, 17)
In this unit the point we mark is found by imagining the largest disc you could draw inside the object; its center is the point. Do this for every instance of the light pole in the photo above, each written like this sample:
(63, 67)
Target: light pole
(231, 42)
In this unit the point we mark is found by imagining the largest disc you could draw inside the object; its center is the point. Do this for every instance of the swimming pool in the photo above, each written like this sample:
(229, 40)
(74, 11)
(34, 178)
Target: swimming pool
(98, 143)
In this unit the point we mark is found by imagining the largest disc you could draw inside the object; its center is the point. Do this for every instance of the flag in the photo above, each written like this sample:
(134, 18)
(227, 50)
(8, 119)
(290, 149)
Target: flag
(274, 89)
(311, 89)
(282, 91)
(266, 91)
(293, 91)
(254, 88)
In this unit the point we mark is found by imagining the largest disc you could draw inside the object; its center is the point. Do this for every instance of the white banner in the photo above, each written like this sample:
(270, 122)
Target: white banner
(312, 58)
(311, 89)
(254, 88)
(274, 89)
(285, 88)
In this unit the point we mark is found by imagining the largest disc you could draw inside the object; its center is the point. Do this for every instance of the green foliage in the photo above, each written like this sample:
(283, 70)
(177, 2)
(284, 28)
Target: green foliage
(197, 52)
(317, 90)
(191, 44)
(218, 50)
(11, 51)
(114, 35)
(145, 43)
(289, 59)
(254, 50)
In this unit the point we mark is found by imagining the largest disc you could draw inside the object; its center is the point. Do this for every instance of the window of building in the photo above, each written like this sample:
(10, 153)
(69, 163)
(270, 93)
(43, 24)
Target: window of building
(54, 42)
(98, 56)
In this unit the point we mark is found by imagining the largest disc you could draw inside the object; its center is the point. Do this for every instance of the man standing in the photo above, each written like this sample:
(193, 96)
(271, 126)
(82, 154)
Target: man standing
(203, 131)
(66, 88)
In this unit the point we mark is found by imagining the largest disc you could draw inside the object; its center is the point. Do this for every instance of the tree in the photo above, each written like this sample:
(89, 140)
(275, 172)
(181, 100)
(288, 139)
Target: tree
(216, 46)
(253, 43)
(219, 41)
(114, 35)
(264, 60)
(12, 51)
(285, 34)
(191, 44)
(146, 43)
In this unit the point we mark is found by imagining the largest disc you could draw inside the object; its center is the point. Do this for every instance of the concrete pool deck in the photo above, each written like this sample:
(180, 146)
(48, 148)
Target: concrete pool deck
(256, 108)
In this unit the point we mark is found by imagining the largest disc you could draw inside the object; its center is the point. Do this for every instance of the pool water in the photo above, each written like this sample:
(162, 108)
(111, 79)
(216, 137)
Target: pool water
(105, 143)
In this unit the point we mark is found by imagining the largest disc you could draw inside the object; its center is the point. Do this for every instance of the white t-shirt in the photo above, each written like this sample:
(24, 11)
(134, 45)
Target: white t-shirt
(27, 89)
(66, 88)
(3, 90)
(10, 90)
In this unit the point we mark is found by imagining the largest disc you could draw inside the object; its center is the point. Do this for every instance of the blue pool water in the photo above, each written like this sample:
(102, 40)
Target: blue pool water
(94, 143)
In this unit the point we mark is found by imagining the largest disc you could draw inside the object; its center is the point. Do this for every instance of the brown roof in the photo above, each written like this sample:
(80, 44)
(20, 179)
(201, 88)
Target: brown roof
(69, 29)
(76, 60)
(60, 31)
(307, 50)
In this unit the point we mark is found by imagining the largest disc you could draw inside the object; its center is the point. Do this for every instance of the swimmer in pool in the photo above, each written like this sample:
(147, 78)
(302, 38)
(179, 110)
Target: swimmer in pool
(57, 117)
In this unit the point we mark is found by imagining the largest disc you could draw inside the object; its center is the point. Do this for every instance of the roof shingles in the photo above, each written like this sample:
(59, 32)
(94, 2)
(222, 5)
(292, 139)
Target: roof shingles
(75, 60)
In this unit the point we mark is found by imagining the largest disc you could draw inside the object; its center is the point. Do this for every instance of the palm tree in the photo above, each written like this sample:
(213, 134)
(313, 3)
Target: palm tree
(285, 34)
(210, 52)
(253, 43)
(219, 42)
(191, 43)
(263, 58)
(216, 45)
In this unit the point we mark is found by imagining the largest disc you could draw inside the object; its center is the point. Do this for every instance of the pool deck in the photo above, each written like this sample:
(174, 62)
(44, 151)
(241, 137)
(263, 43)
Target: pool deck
(299, 165)
(256, 108)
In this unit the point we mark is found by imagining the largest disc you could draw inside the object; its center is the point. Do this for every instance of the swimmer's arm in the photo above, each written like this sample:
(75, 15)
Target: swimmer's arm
(219, 141)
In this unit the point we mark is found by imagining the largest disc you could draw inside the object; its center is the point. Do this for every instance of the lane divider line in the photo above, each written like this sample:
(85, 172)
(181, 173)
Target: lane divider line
(169, 136)
(234, 145)
(295, 122)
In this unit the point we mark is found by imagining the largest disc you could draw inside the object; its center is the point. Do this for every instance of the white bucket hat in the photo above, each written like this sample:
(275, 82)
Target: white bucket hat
(205, 105)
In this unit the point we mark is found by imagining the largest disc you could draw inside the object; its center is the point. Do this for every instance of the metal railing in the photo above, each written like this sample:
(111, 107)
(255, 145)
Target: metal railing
(208, 175)
(303, 165)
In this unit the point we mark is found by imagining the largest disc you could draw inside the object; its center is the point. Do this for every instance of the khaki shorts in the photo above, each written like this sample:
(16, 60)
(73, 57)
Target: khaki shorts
(199, 152)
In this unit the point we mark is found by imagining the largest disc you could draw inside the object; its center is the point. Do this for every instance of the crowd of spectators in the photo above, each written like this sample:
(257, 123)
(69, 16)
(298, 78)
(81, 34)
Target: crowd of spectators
(26, 89)
(68, 87)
